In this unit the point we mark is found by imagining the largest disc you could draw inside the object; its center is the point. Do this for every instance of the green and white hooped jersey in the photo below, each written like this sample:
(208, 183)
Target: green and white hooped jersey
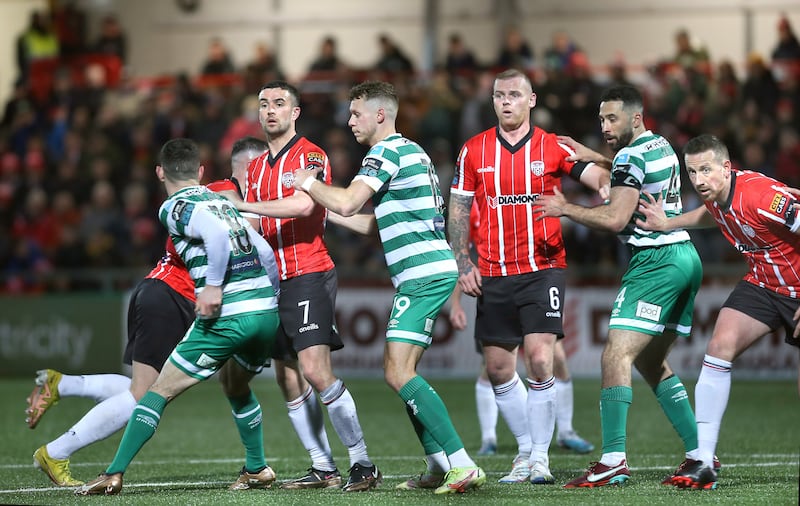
(409, 209)
(651, 165)
(219, 247)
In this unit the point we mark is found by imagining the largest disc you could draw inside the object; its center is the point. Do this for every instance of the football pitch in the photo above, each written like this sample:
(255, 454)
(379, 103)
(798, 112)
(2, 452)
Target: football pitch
(196, 453)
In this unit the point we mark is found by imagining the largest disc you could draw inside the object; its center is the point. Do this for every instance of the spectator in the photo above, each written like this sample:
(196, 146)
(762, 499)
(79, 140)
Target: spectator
(515, 53)
(559, 54)
(69, 22)
(459, 59)
(37, 42)
(218, 61)
(112, 39)
(760, 85)
(328, 58)
(690, 54)
(788, 47)
(264, 64)
(392, 59)
(787, 160)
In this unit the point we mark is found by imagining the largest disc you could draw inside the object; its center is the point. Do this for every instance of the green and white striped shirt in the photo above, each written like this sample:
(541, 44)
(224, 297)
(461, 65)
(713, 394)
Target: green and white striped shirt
(650, 164)
(409, 209)
(219, 247)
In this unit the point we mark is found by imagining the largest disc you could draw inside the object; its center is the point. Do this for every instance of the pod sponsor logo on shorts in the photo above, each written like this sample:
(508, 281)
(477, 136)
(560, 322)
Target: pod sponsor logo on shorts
(394, 322)
(648, 311)
(428, 325)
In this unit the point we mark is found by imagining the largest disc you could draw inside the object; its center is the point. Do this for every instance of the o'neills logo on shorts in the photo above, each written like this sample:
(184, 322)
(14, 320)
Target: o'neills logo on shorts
(648, 311)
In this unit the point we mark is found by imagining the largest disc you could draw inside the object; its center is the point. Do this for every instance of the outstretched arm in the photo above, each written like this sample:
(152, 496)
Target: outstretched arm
(656, 219)
(344, 201)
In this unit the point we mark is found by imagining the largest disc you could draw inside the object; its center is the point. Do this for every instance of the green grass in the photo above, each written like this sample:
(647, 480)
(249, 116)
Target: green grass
(196, 452)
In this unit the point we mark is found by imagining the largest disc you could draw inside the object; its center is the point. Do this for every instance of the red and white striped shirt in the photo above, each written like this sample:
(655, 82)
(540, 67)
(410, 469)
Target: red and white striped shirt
(505, 180)
(172, 271)
(298, 242)
(754, 220)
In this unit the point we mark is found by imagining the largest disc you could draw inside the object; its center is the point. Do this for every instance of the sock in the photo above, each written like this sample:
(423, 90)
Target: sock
(247, 414)
(305, 413)
(96, 386)
(100, 422)
(710, 400)
(674, 400)
(511, 399)
(614, 405)
(564, 400)
(437, 462)
(344, 418)
(427, 407)
(141, 427)
(487, 410)
(541, 406)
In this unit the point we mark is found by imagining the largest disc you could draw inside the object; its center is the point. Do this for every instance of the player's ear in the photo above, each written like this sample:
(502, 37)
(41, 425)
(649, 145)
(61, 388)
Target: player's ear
(200, 170)
(160, 173)
(295, 113)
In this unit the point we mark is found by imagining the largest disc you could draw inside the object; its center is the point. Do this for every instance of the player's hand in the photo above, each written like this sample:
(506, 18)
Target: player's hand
(550, 205)
(655, 218)
(793, 191)
(458, 318)
(301, 175)
(209, 302)
(605, 193)
(469, 279)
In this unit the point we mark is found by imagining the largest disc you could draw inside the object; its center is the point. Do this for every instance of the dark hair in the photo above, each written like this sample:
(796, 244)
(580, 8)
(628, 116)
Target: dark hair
(180, 159)
(283, 85)
(374, 89)
(248, 143)
(707, 142)
(628, 95)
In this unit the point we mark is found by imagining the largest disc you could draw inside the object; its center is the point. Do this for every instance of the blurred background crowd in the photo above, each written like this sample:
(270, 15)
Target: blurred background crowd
(80, 136)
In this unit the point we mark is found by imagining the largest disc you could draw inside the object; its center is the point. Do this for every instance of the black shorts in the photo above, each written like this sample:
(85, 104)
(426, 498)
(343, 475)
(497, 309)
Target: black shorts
(307, 307)
(158, 318)
(771, 309)
(511, 307)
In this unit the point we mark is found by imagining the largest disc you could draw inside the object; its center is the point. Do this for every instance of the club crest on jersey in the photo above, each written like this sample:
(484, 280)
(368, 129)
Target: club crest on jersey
(287, 179)
(748, 230)
(537, 167)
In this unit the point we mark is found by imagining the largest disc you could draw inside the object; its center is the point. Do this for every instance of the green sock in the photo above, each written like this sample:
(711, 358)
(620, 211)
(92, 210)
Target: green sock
(141, 427)
(247, 415)
(614, 404)
(427, 407)
(426, 438)
(674, 400)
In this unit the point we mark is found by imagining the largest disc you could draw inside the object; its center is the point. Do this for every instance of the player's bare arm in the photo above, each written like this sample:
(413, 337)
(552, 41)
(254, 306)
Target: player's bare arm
(298, 205)
(656, 219)
(360, 223)
(458, 226)
(344, 201)
(611, 217)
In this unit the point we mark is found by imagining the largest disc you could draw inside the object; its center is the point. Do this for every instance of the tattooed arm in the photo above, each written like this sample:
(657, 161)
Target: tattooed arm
(458, 228)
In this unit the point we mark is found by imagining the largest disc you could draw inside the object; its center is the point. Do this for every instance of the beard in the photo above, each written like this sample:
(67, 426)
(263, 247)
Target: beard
(623, 139)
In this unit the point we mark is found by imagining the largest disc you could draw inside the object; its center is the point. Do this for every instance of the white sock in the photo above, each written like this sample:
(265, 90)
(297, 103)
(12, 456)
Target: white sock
(612, 459)
(100, 422)
(460, 458)
(541, 405)
(437, 462)
(96, 386)
(344, 418)
(710, 400)
(487, 410)
(305, 414)
(511, 398)
(564, 400)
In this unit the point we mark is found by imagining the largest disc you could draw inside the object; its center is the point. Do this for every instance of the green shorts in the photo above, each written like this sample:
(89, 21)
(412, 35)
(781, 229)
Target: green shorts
(208, 344)
(414, 311)
(658, 290)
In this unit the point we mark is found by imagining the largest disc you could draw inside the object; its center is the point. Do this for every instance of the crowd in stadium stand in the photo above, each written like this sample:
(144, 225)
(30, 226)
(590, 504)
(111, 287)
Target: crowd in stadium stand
(78, 137)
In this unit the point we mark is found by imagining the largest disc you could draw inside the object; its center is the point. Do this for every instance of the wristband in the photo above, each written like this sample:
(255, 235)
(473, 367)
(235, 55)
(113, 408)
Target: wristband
(307, 184)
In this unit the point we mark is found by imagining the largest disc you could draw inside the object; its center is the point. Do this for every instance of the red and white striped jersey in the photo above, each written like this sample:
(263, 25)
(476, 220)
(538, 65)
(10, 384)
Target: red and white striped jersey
(758, 220)
(172, 271)
(298, 242)
(505, 181)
